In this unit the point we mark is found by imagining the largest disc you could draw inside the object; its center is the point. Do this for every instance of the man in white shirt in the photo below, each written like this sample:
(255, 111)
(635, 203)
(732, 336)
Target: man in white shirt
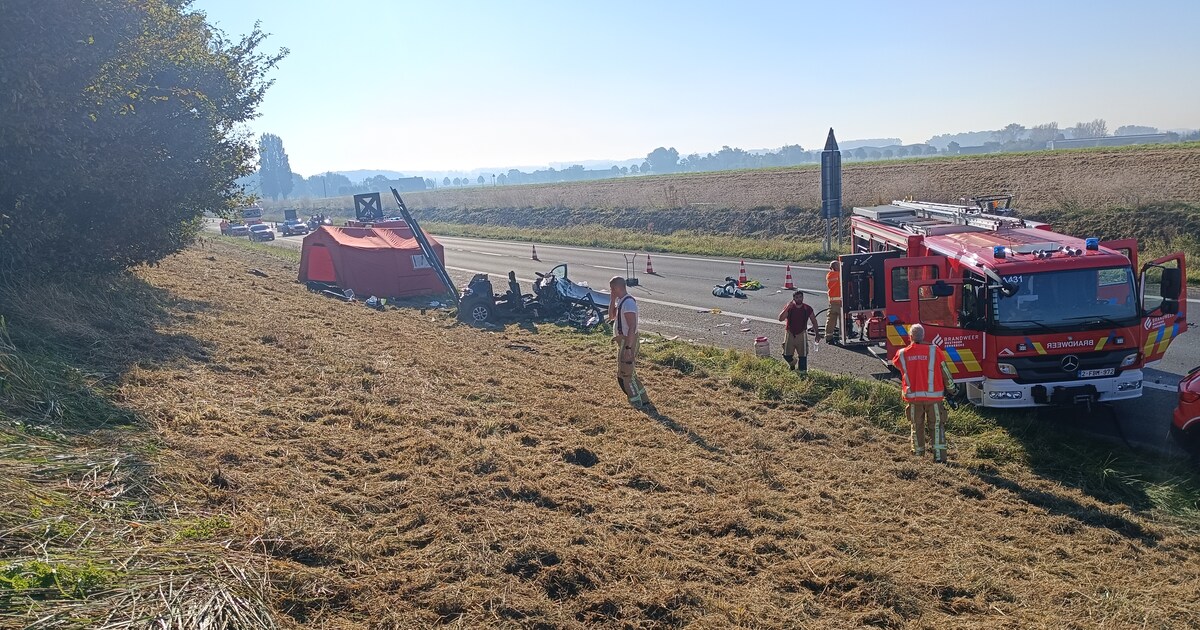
(623, 312)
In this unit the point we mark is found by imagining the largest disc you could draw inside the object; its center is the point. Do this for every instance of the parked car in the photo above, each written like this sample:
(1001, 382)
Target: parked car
(261, 232)
(293, 227)
(238, 230)
(1186, 425)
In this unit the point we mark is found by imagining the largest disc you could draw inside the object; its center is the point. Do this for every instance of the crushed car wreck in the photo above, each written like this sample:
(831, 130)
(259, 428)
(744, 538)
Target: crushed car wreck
(555, 296)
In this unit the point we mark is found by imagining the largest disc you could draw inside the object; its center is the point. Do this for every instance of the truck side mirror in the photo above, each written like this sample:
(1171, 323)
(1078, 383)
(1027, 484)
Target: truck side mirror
(1169, 307)
(1170, 284)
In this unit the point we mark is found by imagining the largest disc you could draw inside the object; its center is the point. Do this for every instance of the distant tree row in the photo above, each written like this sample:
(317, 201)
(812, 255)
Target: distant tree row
(1013, 137)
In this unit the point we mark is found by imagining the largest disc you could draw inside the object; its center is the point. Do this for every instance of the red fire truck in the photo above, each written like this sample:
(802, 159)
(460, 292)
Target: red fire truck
(1028, 317)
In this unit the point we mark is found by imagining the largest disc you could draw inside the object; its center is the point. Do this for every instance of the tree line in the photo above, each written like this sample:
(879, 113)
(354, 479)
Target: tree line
(278, 180)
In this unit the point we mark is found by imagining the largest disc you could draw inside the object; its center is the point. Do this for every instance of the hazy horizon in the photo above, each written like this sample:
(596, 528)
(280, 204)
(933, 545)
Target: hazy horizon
(459, 86)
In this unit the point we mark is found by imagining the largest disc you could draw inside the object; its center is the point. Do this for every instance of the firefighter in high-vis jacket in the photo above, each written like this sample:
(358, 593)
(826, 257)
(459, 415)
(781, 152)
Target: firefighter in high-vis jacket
(925, 371)
(833, 282)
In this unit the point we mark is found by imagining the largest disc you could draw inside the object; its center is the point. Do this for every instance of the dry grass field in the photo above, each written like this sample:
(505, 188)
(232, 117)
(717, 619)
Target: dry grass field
(1044, 180)
(239, 449)
(1091, 178)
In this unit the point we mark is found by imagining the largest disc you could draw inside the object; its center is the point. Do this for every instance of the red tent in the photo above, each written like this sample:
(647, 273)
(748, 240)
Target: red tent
(384, 262)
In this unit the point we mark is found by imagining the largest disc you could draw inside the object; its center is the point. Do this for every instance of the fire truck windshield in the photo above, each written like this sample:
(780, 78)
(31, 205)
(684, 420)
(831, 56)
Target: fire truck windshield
(1072, 299)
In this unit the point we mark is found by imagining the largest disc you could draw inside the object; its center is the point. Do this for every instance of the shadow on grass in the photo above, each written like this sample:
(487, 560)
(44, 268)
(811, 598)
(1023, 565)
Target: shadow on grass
(66, 343)
(1064, 506)
(1056, 447)
(679, 429)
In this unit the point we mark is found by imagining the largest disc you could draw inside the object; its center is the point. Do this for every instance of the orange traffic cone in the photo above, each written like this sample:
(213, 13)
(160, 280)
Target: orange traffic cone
(742, 273)
(787, 279)
(649, 266)
(535, 254)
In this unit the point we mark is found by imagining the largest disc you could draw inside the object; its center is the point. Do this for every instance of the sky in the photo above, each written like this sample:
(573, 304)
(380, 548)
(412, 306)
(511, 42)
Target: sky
(456, 85)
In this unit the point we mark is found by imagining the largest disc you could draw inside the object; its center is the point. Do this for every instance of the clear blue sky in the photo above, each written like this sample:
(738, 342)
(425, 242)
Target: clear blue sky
(443, 84)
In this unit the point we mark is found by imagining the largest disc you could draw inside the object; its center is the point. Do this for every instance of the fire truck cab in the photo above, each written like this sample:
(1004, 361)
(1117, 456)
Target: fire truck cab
(1028, 317)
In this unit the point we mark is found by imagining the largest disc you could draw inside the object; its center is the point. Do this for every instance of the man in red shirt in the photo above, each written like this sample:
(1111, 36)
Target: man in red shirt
(796, 317)
(926, 379)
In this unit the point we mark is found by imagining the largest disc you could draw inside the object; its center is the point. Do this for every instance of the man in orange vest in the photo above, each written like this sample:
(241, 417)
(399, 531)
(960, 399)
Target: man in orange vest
(926, 380)
(833, 281)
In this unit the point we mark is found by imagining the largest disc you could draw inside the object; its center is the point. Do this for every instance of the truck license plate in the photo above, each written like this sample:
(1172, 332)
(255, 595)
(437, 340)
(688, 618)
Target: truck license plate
(1100, 372)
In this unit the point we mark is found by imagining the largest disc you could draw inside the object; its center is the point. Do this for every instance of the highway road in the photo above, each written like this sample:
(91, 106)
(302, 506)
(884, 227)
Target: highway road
(677, 302)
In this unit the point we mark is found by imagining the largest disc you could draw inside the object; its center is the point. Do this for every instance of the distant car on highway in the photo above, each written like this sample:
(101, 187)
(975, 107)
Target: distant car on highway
(1186, 425)
(261, 232)
(237, 229)
(293, 227)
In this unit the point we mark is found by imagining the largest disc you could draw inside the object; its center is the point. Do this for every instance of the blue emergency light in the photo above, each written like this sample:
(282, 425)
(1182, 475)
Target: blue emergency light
(998, 251)
(1092, 244)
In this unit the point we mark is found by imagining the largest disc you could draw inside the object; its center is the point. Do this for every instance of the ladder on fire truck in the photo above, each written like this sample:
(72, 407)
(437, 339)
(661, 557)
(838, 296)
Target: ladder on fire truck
(990, 212)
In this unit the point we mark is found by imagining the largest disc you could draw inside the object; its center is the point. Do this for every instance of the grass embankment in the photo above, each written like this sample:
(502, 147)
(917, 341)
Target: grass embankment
(398, 469)
(89, 533)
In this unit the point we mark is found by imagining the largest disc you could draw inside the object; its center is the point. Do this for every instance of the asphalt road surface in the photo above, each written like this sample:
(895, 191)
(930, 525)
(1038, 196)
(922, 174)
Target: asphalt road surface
(677, 302)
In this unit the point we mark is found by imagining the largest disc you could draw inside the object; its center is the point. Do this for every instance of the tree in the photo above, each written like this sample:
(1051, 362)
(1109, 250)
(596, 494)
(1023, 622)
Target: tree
(1041, 134)
(624, 170)
(458, 181)
(119, 121)
(633, 168)
(501, 179)
(859, 153)
(274, 170)
(429, 183)
(1134, 130)
(481, 180)
(1095, 129)
(446, 181)
(953, 148)
(300, 186)
(662, 160)
(1010, 133)
(331, 184)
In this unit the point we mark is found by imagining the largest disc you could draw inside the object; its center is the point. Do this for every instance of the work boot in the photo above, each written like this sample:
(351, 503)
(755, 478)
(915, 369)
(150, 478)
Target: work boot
(803, 365)
(791, 362)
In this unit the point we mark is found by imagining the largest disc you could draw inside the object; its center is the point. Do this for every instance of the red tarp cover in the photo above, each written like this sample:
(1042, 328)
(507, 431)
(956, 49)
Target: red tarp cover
(384, 262)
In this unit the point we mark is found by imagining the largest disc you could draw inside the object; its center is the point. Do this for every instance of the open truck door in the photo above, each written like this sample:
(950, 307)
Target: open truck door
(900, 277)
(1162, 293)
(864, 297)
(952, 312)
(1127, 246)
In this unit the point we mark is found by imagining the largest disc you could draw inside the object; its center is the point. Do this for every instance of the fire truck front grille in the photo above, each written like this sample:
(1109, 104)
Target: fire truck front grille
(1047, 368)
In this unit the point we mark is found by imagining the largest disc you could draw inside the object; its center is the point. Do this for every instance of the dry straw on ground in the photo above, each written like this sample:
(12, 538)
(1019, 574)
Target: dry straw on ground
(396, 469)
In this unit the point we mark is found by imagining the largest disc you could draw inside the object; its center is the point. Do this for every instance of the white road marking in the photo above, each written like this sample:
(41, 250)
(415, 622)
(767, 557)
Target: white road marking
(487, 253)
(653, 254)
(694, 309)
(603, 267)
